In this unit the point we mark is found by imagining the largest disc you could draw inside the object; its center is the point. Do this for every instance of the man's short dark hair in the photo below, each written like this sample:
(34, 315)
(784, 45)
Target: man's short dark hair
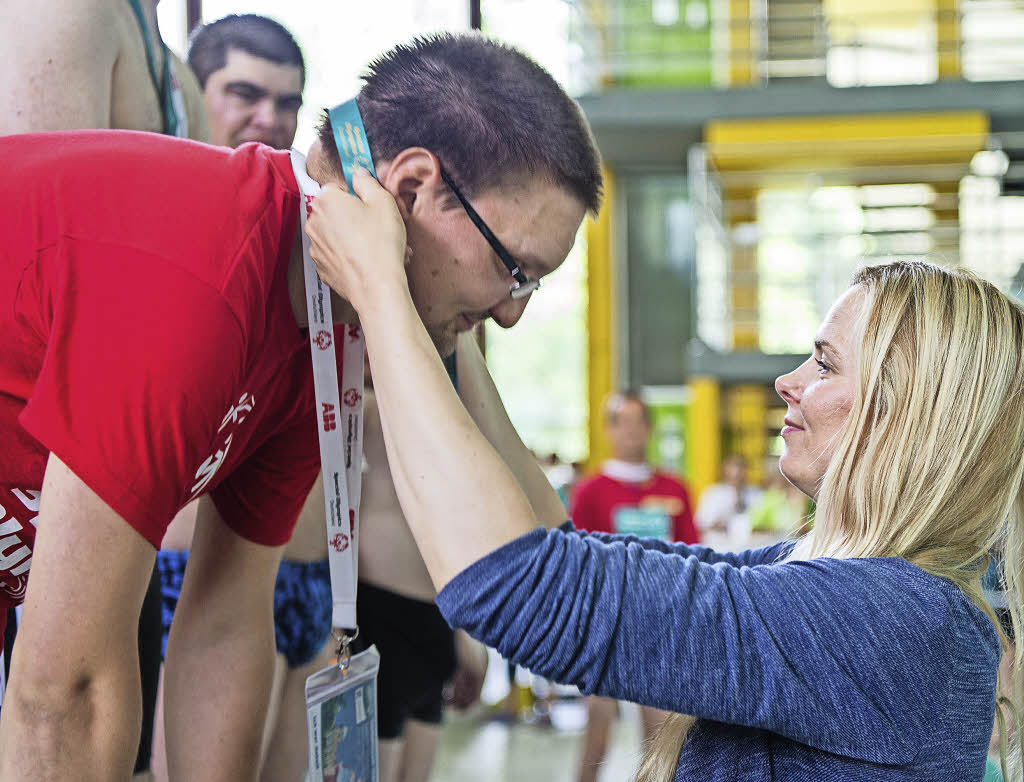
(484, 108)
(256, 35)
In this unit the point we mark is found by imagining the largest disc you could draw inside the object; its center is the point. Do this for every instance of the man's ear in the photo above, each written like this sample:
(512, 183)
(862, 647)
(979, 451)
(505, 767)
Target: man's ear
(413, 177)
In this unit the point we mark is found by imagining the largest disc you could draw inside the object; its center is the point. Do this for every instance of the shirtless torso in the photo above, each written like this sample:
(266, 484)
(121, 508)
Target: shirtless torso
(82, 64)
(388, 556)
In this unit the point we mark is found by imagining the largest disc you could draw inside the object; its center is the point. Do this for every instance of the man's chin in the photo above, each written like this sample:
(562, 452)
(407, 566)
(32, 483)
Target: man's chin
(444, 338)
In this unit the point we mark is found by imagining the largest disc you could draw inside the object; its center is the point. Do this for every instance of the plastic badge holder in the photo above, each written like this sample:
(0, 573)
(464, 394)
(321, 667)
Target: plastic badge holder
(341, 721)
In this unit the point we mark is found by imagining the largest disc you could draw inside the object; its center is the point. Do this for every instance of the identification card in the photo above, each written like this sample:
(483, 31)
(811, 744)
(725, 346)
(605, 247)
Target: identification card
(341, 721)
(643, 523)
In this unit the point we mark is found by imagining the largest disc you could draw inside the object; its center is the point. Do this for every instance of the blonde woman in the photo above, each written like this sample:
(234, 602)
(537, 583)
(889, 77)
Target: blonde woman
(864, 652)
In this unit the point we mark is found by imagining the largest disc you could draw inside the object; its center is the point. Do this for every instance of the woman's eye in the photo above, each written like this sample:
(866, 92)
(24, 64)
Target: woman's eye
(822, 366)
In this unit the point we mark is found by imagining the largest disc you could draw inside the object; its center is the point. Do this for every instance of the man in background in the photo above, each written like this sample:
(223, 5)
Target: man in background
(252, 74)
(628, 496)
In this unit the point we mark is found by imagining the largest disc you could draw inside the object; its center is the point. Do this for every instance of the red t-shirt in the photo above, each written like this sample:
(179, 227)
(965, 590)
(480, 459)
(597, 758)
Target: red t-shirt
(149, 339)
(604, 504)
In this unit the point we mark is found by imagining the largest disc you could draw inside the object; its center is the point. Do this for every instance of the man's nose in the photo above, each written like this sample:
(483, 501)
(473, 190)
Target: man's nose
(508, 311)
(265, 114)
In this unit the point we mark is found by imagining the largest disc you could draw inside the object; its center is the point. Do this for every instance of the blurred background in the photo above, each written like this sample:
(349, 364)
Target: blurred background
(756, 152)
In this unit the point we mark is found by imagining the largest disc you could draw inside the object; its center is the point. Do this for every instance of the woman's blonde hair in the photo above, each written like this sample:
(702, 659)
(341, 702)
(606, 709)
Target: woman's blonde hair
(929, 465)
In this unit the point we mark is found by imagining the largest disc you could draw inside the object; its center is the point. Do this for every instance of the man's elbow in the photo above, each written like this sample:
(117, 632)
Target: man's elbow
(45, 685)
(40, 695)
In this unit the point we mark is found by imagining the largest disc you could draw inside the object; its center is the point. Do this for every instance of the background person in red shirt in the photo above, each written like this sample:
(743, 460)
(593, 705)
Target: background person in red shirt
(627, 496)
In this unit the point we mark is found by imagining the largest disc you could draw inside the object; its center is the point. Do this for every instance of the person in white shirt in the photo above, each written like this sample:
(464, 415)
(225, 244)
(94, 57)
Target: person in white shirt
(722, 511)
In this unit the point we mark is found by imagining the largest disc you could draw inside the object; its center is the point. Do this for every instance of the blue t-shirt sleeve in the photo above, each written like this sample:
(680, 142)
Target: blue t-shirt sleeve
(836, 654)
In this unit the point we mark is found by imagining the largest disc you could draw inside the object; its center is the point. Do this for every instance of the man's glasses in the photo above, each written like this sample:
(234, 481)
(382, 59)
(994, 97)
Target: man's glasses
(522, 286)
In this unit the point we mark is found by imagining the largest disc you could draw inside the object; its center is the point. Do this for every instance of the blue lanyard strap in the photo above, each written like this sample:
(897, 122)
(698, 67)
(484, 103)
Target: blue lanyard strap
(350, 138)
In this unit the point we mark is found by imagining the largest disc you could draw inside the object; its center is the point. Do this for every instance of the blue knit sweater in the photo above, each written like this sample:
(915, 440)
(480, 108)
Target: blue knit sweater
(820, 671)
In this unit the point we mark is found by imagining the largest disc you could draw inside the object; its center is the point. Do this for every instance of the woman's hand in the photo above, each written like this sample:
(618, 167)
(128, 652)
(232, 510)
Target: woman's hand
(358, 243)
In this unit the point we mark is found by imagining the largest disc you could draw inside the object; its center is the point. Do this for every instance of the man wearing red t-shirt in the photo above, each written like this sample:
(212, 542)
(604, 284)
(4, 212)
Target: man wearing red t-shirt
(152, 305)
(74, 64)
(630, 497)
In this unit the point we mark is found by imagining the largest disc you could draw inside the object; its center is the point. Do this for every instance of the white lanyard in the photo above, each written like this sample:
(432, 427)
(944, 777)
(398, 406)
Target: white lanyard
(339, 419)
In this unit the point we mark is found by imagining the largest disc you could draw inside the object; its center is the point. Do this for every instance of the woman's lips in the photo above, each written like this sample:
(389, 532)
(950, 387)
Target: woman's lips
(790, 427)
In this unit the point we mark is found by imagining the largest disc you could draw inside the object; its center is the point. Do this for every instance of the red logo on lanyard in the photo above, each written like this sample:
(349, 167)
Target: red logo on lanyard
(352, 397)
(339, 542)
(323, 339)
(352, 519)
(330, 421)
(354, 332)
(309, 204)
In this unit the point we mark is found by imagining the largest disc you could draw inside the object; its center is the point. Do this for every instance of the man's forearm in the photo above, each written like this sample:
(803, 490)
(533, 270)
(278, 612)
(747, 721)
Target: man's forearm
(73, 707)
(220, 655)
(215, 704)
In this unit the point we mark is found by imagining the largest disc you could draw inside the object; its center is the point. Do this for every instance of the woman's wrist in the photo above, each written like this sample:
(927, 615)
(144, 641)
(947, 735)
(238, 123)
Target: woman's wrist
(389, 317)
(384, 300)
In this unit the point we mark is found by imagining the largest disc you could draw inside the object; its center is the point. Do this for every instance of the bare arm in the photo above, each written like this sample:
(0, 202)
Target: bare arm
(56, 65)
(220, 655)
(74, 704)
(460, 499)
(481, 398)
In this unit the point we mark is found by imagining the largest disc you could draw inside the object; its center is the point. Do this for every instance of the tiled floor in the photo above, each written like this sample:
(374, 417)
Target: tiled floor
(474, 749)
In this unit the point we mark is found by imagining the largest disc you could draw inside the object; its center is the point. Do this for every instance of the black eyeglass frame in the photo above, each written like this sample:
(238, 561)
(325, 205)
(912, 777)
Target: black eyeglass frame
(522, 286)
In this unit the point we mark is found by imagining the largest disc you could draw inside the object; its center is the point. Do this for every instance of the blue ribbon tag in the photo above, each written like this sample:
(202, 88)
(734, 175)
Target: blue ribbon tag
(350, 137)
(643, 522)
